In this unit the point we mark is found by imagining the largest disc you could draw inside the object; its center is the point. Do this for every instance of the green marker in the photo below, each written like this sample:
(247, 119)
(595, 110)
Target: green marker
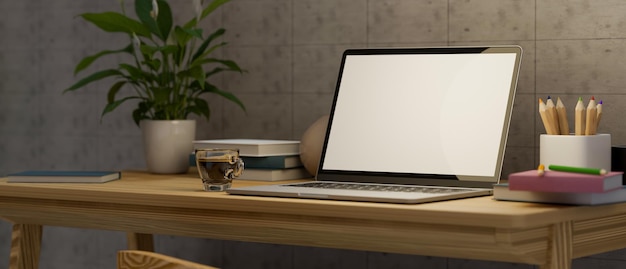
(582, 170)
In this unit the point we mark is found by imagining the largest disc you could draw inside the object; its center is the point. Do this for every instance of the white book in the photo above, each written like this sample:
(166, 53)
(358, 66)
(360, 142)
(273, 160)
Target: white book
(502, 192)
(274, 174)
(253, 147)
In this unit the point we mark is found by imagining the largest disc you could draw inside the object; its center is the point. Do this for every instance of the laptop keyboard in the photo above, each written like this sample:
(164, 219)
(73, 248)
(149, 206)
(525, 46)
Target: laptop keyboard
(375, 187)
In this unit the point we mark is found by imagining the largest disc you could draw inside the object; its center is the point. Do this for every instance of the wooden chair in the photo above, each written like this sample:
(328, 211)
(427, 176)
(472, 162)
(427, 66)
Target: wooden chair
(137, 259)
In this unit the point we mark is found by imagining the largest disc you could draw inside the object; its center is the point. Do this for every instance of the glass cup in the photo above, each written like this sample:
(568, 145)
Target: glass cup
(218, 167)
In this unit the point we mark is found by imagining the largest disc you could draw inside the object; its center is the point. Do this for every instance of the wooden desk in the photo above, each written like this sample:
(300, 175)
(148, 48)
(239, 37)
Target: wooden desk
(476, 228)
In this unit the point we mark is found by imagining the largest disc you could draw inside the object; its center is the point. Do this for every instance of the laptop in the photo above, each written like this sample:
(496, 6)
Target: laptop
(413, 125)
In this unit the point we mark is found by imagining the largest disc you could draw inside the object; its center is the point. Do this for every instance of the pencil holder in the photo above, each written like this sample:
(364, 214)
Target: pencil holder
(592, 151)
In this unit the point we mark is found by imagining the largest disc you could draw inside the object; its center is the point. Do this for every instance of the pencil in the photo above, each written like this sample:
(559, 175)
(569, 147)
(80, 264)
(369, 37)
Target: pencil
(562, 115)
(592, 113)
(544, 118)
(579, 117)
(554, 118)
(582, 170)
(599, 114)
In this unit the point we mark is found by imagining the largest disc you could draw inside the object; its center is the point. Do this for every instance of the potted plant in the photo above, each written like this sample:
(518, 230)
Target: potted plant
(166, 75)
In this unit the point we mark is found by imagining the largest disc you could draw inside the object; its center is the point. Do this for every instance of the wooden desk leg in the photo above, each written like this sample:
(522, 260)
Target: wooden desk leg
(559, 247)
(138, 241)
(25, 246)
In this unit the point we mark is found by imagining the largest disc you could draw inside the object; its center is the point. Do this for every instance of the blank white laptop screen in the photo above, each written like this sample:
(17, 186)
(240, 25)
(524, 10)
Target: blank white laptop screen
(449, 114)
(434, 113)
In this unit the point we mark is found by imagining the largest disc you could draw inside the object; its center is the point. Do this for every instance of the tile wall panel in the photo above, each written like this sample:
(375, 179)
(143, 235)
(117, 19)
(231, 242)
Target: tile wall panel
(266, 116)
(18, 69)
(18, 152)
(258, 22)
(581, 66)
(308, 108)
(268, 69)
(67, 152)
(316, 67)
(518, 159)
(58, 114)
(329, 22)
(20, 114)
(407, 21)
(522, 130)
(24, 33)
(580, 19)
(120, 152)
(472, 20)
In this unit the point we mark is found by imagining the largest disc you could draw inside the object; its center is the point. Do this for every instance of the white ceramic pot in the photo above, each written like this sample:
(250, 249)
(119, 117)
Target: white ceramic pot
(167, 144)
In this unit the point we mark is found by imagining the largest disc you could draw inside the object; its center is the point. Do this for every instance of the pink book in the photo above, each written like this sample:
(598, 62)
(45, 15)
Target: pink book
(556, 181)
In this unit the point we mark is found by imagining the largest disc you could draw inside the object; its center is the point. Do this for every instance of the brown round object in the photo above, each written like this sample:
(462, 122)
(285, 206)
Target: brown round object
(311, 144)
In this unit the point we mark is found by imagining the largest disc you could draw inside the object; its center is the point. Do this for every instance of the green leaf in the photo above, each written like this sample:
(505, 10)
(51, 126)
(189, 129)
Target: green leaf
(210, 88)
(191, 23)
(161, 94)
(113, 105)
(183, 35)
(206, 43)
(134, 72)
(148, 50)
(202, 58)
(230, 97)
(116, 22)
(200, 107)
(114, 90)
(231, 65)
(94, 77)
(163, 23)
(214, 71)
(205, 12)
(196, 73)
(142, 110)
(154, 64)
(212, 7)
(164, 20)
(87, 61)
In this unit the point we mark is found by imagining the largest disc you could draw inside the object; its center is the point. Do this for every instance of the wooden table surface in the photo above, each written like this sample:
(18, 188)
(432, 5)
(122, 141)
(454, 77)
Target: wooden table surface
(143, 204)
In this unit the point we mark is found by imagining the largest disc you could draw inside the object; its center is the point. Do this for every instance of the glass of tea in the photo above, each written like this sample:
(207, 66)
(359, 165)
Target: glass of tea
(218, 167)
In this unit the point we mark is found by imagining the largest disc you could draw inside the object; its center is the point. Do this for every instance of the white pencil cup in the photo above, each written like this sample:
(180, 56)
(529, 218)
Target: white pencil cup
(593, 151)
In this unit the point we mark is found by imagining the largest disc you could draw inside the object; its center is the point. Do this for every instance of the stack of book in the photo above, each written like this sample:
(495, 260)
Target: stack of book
(574, 188)
(264, 159)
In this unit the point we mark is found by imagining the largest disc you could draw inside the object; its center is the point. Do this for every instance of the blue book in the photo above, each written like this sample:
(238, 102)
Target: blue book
(37, 176)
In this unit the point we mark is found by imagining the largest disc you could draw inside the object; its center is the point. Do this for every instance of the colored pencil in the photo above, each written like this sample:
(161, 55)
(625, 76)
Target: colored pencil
(552, 114)
(545, 118)
(572, 169)
(599, 114)
(592, 114)
(579, 117)
(562, 115)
